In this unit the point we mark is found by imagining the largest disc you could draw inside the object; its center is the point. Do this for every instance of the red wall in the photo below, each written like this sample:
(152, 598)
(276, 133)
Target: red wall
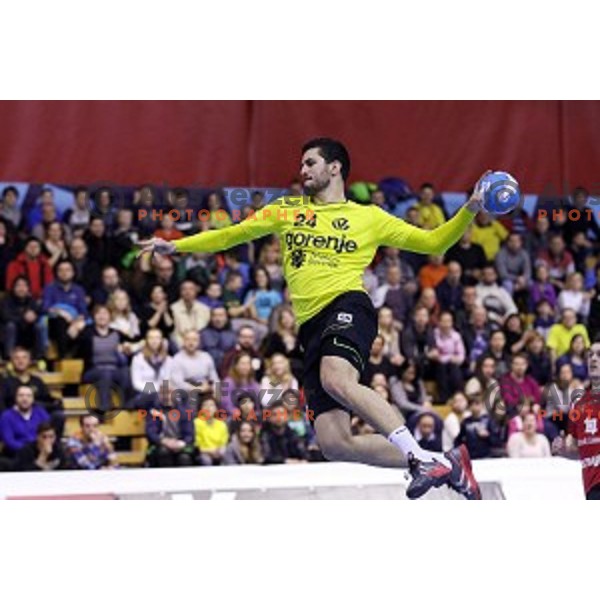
(257, 142)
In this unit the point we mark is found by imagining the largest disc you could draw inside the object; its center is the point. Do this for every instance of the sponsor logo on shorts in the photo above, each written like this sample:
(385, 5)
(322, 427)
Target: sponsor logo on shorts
(344, 318)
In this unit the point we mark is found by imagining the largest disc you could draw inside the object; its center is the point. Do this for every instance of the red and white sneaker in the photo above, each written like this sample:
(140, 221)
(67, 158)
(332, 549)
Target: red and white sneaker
(425, 475)
(461, 477)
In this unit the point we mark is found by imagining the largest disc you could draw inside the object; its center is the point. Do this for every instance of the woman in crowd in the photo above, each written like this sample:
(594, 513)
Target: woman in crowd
(150, 368)
(498, 427)
(408, 393)
(517, 422)
(123, 319)
(244, 447)
(576, 357)
(541, 288)
(245, 411)
(239, 379)
(284, 339)
(55, 243)
(261, 298)
(104, 352)
(449, 358)
(458, 411)
(540, 362)
(156, 313)
(484, 378)
(278, 379)
(516, 336)
(544, 318)
(575, 297)
(380, 363)
(528, 443)
(270, 259)
(219, 217)
(299, 422)
(390, 335)
(428, 299)
(476, 335)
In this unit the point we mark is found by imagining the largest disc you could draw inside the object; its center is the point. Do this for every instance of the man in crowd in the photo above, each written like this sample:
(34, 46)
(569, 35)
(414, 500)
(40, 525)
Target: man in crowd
(33, 265)
(192, 368)
(19, 424)
(19, 375)
(64, 303)
(188, 313)
(218, 338)
(90, 449)
(45, 454)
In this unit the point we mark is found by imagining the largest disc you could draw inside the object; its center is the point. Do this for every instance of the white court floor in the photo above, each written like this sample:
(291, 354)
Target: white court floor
(518, 479)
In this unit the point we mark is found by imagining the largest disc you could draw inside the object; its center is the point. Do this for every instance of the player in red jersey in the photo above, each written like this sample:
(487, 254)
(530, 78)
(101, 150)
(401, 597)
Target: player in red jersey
(583, 438)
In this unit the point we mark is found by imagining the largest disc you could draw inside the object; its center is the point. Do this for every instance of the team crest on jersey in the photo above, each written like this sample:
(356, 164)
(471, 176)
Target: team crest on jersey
(340, 224)
(591, 426)
(297, 258)
(344, 318)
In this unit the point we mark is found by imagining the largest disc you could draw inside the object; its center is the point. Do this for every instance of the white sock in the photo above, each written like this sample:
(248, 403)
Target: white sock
(403, 439)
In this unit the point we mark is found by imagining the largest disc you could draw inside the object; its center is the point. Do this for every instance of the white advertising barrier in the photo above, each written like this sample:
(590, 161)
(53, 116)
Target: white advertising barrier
(547, 479)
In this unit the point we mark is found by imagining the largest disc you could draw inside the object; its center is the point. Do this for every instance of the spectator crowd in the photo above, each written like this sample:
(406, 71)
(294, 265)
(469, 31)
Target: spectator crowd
(484, 345)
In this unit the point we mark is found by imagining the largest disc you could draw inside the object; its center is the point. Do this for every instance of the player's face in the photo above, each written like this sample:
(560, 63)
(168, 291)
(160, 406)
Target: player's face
(594, 361)
(315, 173)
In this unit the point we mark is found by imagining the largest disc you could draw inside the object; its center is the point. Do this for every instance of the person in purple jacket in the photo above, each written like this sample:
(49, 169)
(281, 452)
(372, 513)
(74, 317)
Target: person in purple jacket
(19, 424)
(64, 303)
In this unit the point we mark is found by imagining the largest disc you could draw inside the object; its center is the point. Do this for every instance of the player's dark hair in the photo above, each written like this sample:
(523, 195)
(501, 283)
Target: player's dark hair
(427, 185)
(331, 150)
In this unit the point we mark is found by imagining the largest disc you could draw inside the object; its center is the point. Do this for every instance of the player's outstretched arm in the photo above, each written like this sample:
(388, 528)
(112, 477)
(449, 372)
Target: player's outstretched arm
(436, 241)
(258, 225)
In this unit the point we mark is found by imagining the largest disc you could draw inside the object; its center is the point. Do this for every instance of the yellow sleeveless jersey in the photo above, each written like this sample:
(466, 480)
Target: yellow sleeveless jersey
(326, 247)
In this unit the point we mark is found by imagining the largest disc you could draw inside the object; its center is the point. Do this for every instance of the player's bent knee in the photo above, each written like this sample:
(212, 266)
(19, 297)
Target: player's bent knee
(336, 448)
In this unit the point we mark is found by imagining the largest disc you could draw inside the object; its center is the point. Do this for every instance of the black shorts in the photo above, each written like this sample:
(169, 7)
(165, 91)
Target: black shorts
(345, 328)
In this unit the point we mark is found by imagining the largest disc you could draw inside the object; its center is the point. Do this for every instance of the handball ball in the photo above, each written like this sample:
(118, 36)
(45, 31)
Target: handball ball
(501, 192)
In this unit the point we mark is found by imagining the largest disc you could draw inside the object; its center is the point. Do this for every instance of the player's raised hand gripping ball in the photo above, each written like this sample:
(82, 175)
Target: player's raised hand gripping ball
(155, 245)
(500, 191)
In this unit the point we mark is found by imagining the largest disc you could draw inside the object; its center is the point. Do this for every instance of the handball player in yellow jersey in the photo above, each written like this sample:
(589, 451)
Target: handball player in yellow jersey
(327, 242)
